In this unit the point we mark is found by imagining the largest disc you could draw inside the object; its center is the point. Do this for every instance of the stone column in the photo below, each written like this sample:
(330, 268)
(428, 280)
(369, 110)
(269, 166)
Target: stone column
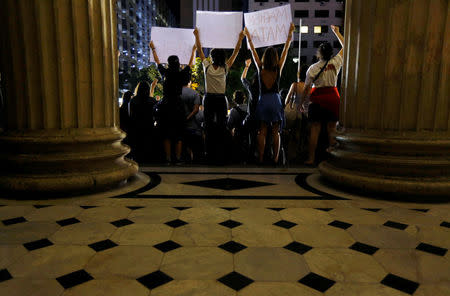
(395, 98)
(59, 71)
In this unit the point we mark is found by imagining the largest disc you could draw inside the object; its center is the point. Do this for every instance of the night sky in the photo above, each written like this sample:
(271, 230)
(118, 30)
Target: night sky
(174, 5)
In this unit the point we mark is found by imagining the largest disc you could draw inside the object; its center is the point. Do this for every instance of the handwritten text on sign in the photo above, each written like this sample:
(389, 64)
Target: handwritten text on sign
(172, 41)
(270, 26)
(219, 29)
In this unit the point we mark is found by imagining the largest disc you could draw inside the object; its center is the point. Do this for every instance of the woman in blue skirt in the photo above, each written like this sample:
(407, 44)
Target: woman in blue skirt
(269, 110)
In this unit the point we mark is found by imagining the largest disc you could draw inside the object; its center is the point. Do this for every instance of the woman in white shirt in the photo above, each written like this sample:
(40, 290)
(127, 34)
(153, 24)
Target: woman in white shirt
(215, 102)
(320, 86)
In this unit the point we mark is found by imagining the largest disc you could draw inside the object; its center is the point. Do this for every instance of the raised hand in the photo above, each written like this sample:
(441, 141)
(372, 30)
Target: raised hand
(246, 32)
(152, 46)
(291, 28)
(248, 62)
(196, 31)
(241, 35)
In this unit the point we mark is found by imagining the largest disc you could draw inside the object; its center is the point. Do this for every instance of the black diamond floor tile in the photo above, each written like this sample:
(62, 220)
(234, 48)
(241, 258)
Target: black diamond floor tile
(228, 184)
(431, 249)
(67, 222)
(232, 247)
(298, 248)
(276, 209)
(372, 209)
(363, 248)
(395, 225)
(74, 279)
(135, 208)
(13, 221)
(181, 208)
(4, 275)
(154, 279)
(230, 224)
(235, 281)
(229, 209)
(324, 209)
(285, 224)
(445, 224)
(122, 222)
(167, 246)
(420, 210)
(39, 244)
(340, 224)
(41, 206)
(400, 284)
(317, 282)
(88, 207)
(103, 245)
(176, 223)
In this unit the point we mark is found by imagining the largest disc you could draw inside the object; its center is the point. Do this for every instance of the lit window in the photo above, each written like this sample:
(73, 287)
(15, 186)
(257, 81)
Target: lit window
(304, 29)
(317, 29)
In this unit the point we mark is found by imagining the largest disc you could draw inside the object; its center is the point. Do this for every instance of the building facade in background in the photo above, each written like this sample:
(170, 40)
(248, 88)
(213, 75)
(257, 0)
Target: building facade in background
(134, 21)
(316, 15)
(188, 9)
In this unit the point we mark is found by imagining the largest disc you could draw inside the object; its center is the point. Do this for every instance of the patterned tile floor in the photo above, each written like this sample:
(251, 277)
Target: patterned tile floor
(225, 231)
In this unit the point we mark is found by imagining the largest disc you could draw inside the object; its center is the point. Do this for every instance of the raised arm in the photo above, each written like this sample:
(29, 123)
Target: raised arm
(253, 50)
(199, 45)
(339, 36)
(191, 60)
(236, 50)
(286, 47)
(155, 55)
(152, 89)
(248, 62)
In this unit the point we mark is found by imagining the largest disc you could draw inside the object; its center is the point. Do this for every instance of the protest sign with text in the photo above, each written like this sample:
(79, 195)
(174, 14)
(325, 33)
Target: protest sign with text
(219, 29)
(270, 26)
(173, 41)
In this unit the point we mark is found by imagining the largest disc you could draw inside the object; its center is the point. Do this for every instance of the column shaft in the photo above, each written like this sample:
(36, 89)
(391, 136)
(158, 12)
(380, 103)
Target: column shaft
(395, 98)
(59, 71)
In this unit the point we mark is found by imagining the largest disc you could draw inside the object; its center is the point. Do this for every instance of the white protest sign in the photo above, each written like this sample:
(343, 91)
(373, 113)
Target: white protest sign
(173, 41)
(270, 26)
(219, 29)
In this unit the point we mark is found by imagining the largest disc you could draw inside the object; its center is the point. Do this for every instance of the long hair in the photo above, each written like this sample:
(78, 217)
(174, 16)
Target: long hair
(142, 90)
(218, 57)
(270, 59)
(326, 50)
(126, 98)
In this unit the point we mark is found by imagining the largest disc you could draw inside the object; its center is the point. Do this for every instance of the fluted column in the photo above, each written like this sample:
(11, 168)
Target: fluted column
(395, 98)
(59, 72)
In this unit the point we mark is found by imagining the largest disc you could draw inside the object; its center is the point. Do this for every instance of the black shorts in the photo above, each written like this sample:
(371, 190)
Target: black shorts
(317, 113)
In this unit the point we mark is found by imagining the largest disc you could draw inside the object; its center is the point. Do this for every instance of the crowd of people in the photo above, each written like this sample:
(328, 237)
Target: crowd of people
(265, 125)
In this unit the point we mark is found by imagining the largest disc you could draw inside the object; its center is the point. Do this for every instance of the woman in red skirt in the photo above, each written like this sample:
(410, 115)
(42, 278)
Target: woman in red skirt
(320, 86)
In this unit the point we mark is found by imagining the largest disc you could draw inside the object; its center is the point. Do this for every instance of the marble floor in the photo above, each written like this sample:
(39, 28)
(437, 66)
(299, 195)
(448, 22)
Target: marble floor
(224, 231)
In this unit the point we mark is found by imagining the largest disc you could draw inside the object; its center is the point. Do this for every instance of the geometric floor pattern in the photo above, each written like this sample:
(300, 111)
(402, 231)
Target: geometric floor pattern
(180, 246)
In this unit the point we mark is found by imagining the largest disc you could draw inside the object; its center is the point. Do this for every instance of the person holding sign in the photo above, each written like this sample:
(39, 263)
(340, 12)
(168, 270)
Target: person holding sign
(171, 108)
(215, 102)
(269, 111)
(324, 96)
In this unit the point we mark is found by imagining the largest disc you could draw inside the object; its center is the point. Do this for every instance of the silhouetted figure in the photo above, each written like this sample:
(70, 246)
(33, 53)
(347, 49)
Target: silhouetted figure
(124, 114)
(141, 130)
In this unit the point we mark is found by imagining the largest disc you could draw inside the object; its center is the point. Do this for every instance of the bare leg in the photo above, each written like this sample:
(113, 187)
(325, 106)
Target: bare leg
(167, 146)
(331, 128)
(262, 134)
(314, 137)
(276, 141)
(178, 150)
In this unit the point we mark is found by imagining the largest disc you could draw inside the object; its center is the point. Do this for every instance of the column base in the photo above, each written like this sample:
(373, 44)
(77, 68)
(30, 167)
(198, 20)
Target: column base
(394, 164)
(64, 162)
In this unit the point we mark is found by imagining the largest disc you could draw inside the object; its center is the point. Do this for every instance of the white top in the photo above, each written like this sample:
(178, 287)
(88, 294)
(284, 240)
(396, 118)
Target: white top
(329, 75)
(215, 79)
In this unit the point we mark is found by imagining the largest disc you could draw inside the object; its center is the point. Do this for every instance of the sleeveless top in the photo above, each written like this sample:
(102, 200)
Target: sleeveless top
(275, 87)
